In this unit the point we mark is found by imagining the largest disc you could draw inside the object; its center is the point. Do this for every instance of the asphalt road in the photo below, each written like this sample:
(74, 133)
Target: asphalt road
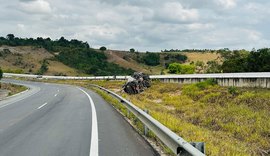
(63, 120)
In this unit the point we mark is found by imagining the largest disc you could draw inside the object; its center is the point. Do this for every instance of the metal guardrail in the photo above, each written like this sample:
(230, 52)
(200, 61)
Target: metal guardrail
(220, 75)
(177, 144)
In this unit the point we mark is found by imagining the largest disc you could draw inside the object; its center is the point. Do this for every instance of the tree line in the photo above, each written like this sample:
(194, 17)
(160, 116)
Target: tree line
(235, 61)
(244, 61)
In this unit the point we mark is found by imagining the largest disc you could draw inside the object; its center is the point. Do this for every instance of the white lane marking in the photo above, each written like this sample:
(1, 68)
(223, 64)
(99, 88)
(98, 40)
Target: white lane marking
(42, 105)
(55, 95)
(58, 90)
(94, 134)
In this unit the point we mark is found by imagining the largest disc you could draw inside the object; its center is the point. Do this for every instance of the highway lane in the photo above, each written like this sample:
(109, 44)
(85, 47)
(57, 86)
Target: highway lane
(61, 120)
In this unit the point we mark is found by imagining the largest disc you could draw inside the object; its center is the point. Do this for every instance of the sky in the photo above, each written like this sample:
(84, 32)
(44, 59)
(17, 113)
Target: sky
(145, 25)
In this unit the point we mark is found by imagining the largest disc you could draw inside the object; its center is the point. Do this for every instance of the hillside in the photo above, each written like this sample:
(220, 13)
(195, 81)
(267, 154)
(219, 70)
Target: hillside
(65, 57)
(28, 59)
(126, 59)
(130, 60)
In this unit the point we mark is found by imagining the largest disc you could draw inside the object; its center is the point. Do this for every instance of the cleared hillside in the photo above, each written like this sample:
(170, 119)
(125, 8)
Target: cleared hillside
(28, 59)
(131, 60)
(73, 53)
(127, 60)
(205, 57)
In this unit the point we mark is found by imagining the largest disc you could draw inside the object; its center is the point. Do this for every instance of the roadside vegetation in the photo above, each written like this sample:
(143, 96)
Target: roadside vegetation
(9, 88)
(231, 121)
(12, 89)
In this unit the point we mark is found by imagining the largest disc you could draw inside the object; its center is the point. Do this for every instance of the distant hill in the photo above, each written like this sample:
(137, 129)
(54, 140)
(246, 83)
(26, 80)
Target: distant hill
(74, 57)
(59, 57)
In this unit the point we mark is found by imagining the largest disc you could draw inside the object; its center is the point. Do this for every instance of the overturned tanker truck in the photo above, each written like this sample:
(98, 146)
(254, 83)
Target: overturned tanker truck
(137, 83)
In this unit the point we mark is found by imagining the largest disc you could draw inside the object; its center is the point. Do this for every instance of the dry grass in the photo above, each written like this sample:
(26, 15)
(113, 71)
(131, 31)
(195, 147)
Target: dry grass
(205, 57)
(56, 68)
(228, 124)
(117, 57)
(12, 88)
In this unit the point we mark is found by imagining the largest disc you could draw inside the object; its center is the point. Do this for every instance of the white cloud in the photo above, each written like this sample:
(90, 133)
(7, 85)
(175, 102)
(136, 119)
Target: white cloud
(227, 4)
(21, 27)
(36, 7)
(200, 26)
(175, 12)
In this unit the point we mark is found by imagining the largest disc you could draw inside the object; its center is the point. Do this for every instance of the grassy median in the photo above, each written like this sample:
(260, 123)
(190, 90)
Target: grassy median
(12, 88)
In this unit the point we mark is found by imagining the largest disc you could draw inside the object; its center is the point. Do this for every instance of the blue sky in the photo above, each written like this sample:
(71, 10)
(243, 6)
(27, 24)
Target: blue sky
(146, 25)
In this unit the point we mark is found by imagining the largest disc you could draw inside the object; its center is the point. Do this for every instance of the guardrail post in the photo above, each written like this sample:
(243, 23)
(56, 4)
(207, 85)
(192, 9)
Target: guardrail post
(145, 127)
(128, 113)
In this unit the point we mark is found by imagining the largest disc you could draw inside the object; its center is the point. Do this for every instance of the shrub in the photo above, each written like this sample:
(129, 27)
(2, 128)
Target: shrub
(132, 50)
(206, 83)
(103, 48)
(174, 68)
(177, 68)
(233, 90)
(44, 67)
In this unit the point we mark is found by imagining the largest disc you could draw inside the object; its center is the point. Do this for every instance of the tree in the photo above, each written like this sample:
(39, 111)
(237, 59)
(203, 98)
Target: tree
(259, 61)
(213, 67)
(151, 59)
(235, 61)
(44, 67)
(103, 48)
(10, 37)
(180, 57)
(132, 50)
(1, 73)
